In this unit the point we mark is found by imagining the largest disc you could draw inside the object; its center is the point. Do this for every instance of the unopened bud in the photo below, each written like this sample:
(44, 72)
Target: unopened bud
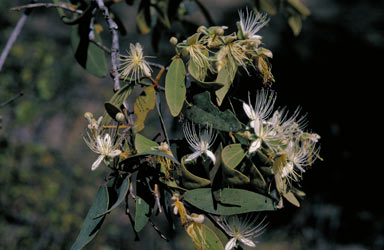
(120, 117)
(197, 218)
(218, 31)
(88, 116)
(173, 41)
(202, 29)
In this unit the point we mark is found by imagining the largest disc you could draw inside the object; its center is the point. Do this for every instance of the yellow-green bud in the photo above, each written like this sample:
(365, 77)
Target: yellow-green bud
(119, 117)
(173, 41)
(218, 31)
(88, 115)
(202, 29)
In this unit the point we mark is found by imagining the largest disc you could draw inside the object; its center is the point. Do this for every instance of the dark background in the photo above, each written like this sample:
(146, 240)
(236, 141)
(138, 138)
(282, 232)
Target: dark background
(332, 70)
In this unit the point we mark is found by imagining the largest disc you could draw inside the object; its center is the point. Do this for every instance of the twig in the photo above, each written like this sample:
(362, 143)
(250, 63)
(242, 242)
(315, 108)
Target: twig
(11, 100)
(12, 39)
(47, 5)
(115, 44)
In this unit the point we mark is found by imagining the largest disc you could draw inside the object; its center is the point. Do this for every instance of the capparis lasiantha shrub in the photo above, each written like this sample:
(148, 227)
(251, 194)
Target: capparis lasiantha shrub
(225, 169)
(235, 159)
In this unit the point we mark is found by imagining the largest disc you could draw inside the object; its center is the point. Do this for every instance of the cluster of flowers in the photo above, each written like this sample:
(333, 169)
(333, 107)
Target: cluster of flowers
(241, 49)
(273, 132)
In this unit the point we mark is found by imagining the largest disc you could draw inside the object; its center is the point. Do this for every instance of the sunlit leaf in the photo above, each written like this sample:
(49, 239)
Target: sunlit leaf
(175, 89)
(224, 77)
(143, 104)
(232, 155)
(291, 198)
(143, 144)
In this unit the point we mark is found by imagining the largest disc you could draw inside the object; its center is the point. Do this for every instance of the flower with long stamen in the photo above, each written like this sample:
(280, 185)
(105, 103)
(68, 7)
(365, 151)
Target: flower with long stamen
(103, 146)
(242, 230)
(250, 23)
(133, 65)
(265, 101)
(300, 153)
(201, 142)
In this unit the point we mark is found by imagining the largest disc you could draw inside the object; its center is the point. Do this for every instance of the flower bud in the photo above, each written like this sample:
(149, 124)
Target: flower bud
(202, 29)
(120, 117)
(218, 31)
(173, 41)
(88, 116)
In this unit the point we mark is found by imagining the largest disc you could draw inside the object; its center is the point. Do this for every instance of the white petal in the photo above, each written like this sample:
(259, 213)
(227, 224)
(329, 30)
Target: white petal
(114, 153)
(211, 155)
(248, 110)
(247, 242)
(193, 156)
(230, 244)
(97, 162)
(255, 145)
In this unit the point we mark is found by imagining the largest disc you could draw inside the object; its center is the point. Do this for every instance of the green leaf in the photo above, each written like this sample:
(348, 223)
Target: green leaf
(291, 198)
(232, 155)
(232, 201)
(175, 89)
(224, 76)
(91, 224)
(189, 180)
(143, 144)
(143, 104)
(204, 112)
(209, 237)
(153, 152)
(144, 201)
(234, 177)
(87, 54)
(122, 191)
(143, 18)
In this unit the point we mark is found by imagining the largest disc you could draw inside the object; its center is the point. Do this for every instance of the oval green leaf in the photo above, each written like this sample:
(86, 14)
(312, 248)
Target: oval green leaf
(232, 155)
(143, 144)
(232, 201)
(175, 89)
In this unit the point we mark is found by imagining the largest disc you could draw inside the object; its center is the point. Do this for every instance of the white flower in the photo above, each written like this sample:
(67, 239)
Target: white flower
(200, 142)
(241, 230)
(103, 146)
(250, 23)
(262, 109)
(299, 154)
(134, 65)
(264, 133)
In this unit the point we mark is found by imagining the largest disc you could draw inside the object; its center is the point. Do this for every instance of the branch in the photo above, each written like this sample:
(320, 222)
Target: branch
(115, 44)
(11, 100)
(12, 39)
(48, 5)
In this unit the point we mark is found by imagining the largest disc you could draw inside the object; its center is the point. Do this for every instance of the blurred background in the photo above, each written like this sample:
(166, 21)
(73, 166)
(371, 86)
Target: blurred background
(329, 69)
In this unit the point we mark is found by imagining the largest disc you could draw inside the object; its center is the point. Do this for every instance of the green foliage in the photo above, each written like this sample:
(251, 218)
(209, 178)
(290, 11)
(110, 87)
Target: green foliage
(232, 201)
(175, 89)
(205, 112)
(91, 224)
(88, 54)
